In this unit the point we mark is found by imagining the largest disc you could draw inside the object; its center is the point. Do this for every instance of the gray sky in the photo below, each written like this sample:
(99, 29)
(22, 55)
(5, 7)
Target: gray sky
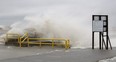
(15, 10)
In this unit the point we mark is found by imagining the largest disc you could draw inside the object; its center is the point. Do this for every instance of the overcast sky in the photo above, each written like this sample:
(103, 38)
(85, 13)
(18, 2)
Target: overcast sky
(15, 10)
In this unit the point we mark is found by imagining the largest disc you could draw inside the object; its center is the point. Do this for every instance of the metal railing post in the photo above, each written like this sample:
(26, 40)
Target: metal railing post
(28, 41)
(40, 44)
(66, 45)
(52, 43)
(20, 43)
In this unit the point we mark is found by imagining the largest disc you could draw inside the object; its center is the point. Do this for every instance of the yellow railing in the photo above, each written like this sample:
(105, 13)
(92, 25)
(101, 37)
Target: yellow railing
(25, 39)
(67, 42)
(12, 35)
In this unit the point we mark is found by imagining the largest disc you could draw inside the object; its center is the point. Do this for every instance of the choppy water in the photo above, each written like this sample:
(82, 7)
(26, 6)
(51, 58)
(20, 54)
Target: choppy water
(109, 60)
(48, 54)
(8, 52)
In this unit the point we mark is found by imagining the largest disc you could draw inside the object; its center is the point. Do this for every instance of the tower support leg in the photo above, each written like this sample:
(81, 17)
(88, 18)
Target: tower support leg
(100, 40)
(92, 40)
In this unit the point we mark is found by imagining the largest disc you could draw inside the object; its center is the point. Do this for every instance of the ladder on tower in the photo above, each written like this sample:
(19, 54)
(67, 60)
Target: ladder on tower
(104, 41)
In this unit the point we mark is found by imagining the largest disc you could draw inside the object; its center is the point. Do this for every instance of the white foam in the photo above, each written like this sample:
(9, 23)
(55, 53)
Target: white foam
(38, 53)
(109, 60)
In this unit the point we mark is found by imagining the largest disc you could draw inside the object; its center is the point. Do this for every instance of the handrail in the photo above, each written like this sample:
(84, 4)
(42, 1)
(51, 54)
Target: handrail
(25, 39)
(12, 34)
(24, 35)
(48, 39)
(7, 35)
(16, 34)
(67, 42)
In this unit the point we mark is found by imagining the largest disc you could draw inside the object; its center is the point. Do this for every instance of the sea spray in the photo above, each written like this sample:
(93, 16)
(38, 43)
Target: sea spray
(58, 27)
